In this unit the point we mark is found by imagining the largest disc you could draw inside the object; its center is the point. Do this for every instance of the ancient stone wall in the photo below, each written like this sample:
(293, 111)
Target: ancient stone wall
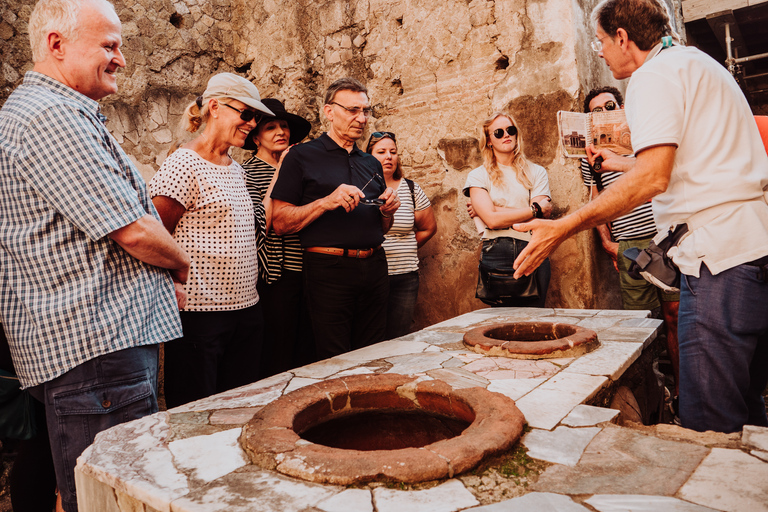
(434, 70)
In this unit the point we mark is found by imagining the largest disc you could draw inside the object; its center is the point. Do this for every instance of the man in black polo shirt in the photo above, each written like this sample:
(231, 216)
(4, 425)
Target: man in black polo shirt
(335, 197)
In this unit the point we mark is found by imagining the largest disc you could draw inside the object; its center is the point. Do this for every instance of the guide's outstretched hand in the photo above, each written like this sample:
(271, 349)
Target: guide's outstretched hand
(546, 235)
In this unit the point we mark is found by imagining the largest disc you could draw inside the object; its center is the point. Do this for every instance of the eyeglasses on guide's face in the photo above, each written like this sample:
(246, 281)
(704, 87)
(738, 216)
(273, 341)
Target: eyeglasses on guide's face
(355, 111)
(499, 132)
(245, 114)
(609, 105)
(597, 45)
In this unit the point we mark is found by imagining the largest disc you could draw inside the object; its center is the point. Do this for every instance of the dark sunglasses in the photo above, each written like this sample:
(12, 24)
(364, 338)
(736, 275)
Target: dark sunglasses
(245, 114)
(609, 105)
(377, 136)
(499, 132)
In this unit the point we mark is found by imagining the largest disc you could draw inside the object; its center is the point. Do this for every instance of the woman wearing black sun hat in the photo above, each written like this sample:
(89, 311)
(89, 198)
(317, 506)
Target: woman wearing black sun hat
(288, 339)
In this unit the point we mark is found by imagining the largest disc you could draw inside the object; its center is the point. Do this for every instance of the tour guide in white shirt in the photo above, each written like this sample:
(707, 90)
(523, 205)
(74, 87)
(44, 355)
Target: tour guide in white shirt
(84, 294)
(698, 150)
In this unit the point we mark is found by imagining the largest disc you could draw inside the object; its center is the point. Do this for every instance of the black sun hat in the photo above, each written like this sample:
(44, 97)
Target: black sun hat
(299, 126)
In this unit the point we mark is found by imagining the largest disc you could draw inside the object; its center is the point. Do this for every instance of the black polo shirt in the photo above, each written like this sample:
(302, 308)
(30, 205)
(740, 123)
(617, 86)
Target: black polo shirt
(315, 169)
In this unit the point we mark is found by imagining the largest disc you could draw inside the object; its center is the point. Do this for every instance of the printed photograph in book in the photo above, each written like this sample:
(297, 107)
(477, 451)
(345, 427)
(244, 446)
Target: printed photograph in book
(607, 130)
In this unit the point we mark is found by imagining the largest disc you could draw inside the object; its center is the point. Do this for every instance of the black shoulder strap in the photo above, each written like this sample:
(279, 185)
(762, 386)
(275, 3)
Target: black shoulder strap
(413, 196)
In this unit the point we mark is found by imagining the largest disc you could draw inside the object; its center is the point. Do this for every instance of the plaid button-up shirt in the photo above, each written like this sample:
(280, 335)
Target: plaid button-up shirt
(68, 292)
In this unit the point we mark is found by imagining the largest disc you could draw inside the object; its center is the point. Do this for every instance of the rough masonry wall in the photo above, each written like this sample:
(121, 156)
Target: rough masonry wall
(434, 71)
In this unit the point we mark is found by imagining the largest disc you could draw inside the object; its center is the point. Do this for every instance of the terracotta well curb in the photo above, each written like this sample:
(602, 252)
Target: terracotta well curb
(509, 339)
(272, 443)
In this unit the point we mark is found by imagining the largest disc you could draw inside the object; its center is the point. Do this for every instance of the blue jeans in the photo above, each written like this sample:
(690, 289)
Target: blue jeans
(723, 332)
(94, 396)
(403, 292)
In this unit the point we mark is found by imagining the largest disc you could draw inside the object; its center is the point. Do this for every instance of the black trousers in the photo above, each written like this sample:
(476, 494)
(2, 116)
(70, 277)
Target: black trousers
(220, 350)
(347, 300)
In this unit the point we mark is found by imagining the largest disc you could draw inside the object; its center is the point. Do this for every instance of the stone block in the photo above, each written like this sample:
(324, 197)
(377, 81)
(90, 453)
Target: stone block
(562, 446)
(755, 437)
(535, 502)
(588, 416)
(448, 497)
(641, 503)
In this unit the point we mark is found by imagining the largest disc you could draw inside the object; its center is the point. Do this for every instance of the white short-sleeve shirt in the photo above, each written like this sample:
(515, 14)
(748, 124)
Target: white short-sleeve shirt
(217, 230)
(400, 241)
(685, 98)
(512, 193)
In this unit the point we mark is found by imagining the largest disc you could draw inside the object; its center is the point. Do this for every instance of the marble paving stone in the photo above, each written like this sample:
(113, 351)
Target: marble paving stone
(458, 378)
(384, 350)
(325, 368)
(627, 313)
(467, 357)
(641, 322)
(360, 370)
(580, 313)
(133, 458)
(746, 487)
(642, 503)
(448, 497)
(611, 359)
(514, 388)
(453, 362)
(415, 363)
(599, 323)
(254, 491)
(562, 446)
(433, 348)
(760, 454)
(489, 367)
(644, 335)
(299, 382)
(233, 416)
(351, 500)
(755, 437)
(209, 457)
(558, 319)
(549, 403)
(251, 395)
(458, 322)
(561, 361)
(622, 461)
(589, 415)
(434, 338)
(535, 502)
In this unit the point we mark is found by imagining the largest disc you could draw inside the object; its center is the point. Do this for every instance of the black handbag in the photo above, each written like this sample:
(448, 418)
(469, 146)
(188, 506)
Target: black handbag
(500, 285)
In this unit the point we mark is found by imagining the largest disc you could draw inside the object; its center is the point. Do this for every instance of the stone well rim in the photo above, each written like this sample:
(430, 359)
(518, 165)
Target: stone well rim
(578, 340)
(271, 442)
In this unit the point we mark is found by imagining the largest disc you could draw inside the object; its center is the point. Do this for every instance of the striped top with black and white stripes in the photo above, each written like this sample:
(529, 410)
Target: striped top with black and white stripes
(636, 224)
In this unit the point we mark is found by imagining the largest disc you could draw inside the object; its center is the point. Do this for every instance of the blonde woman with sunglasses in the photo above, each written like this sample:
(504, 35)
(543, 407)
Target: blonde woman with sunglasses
(506, 189)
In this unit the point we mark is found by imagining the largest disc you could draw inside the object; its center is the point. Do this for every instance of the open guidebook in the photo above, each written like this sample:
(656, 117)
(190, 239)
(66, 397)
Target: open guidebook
(607, 129)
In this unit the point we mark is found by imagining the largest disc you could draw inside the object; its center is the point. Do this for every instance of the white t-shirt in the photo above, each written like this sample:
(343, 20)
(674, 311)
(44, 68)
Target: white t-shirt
(512, 194)
(217, 230)
(684, 97)
(400, 241)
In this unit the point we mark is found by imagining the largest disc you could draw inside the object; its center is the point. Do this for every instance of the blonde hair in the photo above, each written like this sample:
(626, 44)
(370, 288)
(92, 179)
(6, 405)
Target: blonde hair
(56, 16)
(519, 162)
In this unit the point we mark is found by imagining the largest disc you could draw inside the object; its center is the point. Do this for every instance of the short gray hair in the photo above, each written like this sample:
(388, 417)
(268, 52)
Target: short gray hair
(55, 16)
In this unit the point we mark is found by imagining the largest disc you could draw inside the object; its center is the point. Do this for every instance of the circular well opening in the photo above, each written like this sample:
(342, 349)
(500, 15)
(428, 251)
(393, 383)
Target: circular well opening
(531, 340)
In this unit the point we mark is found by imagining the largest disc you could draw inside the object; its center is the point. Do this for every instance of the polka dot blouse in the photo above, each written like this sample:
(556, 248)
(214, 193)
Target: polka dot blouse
(217, 230)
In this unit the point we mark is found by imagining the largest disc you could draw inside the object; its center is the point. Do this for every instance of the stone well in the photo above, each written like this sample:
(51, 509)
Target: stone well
(532, 340)
(394, 428)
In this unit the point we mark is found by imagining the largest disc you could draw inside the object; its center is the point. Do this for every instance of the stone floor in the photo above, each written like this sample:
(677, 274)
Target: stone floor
(190, 458)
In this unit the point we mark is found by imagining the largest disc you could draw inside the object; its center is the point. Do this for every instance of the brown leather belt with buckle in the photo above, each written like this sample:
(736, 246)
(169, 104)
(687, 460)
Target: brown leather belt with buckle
(337, 251)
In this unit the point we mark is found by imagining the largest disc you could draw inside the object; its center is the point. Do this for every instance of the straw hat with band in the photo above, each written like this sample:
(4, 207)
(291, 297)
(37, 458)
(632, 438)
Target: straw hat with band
(299, 126)
(229, 85)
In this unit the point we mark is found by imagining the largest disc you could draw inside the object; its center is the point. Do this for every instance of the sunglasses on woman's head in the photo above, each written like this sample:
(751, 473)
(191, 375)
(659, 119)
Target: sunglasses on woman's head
(245, 114)
(609, 105)
(499, 132)
(377, 136)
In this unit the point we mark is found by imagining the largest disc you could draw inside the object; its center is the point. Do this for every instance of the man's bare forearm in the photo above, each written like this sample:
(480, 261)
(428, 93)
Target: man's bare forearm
(288, 218)
(147, 240)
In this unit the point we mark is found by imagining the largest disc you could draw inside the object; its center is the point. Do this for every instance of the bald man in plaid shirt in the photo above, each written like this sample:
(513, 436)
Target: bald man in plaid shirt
(90, 280)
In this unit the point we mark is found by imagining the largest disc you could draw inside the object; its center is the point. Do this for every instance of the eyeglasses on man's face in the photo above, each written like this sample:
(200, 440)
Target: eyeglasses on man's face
(609, 105)
(499, 132)
(245, 114)
(597, 45)
(355, 111)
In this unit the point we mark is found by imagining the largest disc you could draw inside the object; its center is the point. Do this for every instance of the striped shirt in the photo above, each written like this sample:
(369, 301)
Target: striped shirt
(400, 242)
(636, 224)
(68, 292)
(275, 252)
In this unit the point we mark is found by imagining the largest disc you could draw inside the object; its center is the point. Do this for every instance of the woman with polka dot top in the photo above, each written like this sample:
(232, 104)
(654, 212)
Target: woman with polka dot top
(201, 196)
